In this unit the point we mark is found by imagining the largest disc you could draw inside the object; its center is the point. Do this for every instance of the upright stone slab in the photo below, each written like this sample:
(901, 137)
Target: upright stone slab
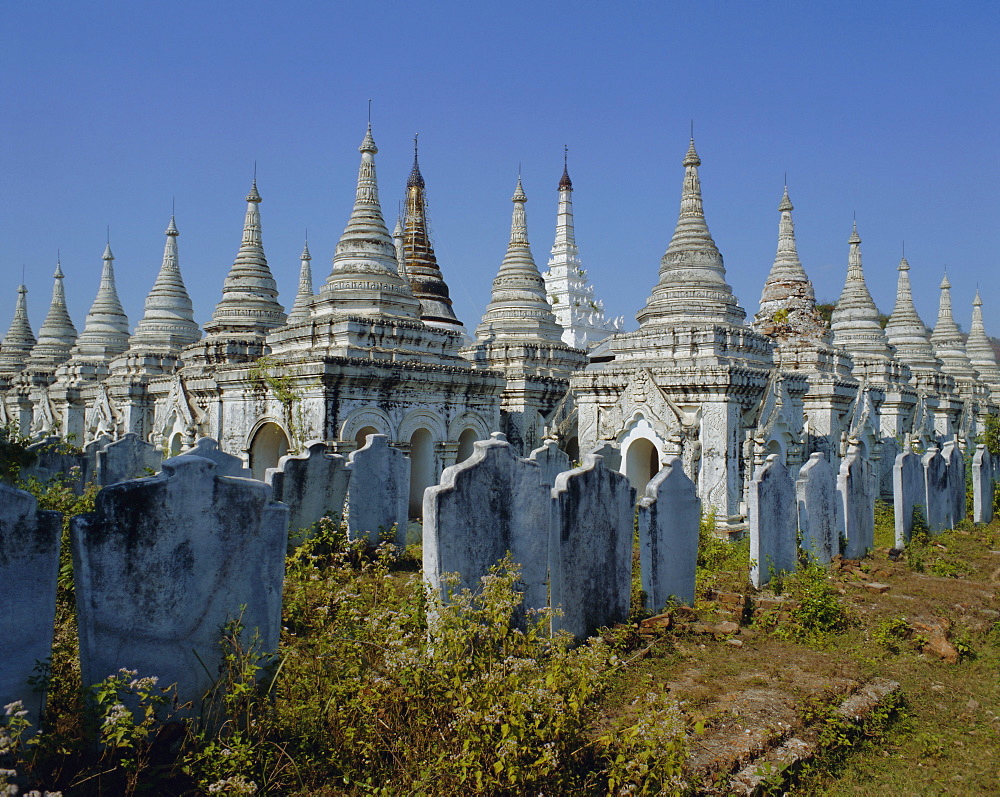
(163, 563)
(55, 460)
(225, 464)
(128, 458)
(955, 461)
(908, 493)
(771, 515)
(552, 459)
(856, 489)
(590, 552)
(313, 484)
(669, 516)
(982, 485)
(611, 454)
(379, 493)
(90, 452)
(29, 565)
(816, 497)
(937, 499)
(491, 503)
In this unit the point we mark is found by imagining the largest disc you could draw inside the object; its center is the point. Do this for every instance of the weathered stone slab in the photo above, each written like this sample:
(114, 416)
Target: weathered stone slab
(53, 460)
(29, 565)
(90, 451)
(982, 485)
(955, 461)
(669, 516)
(816, 496)
(163, 563)
(771, 515)
(552, 459)
(491, 504)
(128, 458)
(908, 492)
(379, 493)
(312, 484)
(937, 499)
(225, 464)
(590, 553)
(611, 454)
(856, 489)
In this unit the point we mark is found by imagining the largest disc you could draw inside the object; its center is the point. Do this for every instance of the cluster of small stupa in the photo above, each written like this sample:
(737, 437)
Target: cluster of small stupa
(378, 349)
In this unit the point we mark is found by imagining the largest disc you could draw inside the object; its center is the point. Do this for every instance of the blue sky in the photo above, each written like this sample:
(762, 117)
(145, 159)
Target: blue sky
(884, 109)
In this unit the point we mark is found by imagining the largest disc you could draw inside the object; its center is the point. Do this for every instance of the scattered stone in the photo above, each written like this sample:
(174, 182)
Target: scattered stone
(736, 643)
(972, 705)
(660, 621)
(935, 636)
(877, 587)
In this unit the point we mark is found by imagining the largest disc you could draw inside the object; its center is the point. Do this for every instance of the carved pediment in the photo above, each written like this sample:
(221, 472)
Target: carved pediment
(102, 417)
(641, 395)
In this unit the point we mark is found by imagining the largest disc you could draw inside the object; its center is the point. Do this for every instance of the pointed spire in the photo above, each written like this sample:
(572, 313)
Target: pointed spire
(692, 287)
(57, 335)
(855, 321)
(419, 263)
(249, 294)
(572, 298)
(565, 184)
(947, 339)
(19, 340)
(906, 331)
(168, 323)
(788, 302)
(518, 307)
(365, 278)
(980, 350)
(302, 308)
(105, 332)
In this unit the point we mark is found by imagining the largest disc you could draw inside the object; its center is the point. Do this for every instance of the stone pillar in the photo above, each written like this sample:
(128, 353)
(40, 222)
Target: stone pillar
(446, 454)
(719, 479)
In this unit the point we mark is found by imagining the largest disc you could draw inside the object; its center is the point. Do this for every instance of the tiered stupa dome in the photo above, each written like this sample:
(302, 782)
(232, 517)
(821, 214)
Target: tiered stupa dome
(788, 301)
(57, 335)
(692, 288)
(906, 331)
(518, 307)
(419, 262)
(365, 279)
(168, 324)
(105, 333)
(855, 321)
(19, 340)
(249, 295)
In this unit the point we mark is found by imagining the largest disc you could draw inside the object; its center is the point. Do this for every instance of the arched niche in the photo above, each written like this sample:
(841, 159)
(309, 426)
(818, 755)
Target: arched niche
(268, 445)
(642, 453)
(422, 469)
(466, 441)
(361, 437)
